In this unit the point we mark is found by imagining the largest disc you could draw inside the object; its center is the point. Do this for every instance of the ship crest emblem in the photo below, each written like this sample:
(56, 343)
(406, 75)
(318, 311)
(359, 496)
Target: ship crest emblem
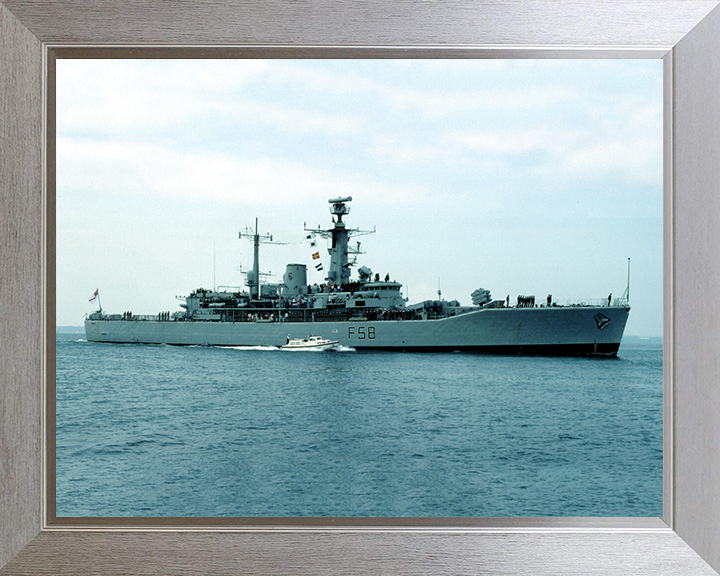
(601, 320)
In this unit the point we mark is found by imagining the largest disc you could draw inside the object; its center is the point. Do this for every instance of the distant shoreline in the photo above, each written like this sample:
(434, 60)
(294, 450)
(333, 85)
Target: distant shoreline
(69, 329)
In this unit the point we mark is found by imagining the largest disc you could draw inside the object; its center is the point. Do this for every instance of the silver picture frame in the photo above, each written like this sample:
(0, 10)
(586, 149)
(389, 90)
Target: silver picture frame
(685, 33)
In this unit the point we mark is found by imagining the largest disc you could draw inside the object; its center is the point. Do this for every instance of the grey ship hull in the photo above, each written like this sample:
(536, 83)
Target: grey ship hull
(568, 330)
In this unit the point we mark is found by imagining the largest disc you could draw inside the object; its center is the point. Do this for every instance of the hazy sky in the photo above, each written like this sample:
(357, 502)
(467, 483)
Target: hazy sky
(528, 177)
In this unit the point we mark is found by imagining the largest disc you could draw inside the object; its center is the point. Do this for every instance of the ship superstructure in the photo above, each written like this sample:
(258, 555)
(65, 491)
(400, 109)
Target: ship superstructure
(367, 313)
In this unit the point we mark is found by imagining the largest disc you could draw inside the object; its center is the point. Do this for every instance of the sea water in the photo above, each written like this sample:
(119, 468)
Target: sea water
(147, 430)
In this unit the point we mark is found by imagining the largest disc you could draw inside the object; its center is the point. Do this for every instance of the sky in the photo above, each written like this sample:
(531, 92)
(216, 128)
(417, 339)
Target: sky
(529, 177)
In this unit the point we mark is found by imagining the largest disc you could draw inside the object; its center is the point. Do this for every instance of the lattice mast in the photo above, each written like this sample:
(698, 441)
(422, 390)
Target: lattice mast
(253, 276)
(339, 270)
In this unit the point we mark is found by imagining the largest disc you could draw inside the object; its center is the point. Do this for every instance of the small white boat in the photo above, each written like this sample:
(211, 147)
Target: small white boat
(311, 343)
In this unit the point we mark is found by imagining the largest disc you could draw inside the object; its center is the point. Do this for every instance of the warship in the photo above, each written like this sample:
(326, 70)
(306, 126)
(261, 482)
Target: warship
(367, 313)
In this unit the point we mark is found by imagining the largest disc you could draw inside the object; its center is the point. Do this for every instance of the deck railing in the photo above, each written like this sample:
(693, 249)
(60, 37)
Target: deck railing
(315, 315)
(592, 302)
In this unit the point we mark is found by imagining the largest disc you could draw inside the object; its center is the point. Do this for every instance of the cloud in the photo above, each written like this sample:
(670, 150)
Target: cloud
(637, 160)
(290, 120)
(628, 151)
(515, 142)
(428, 99)
(142, 169)
(438, 104)
(122, 100)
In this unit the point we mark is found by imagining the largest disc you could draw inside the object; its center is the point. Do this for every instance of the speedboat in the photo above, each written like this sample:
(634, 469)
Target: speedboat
(311, 343)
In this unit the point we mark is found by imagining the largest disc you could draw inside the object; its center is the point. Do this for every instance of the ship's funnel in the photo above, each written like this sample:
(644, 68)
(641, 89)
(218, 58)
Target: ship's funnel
(295, 280)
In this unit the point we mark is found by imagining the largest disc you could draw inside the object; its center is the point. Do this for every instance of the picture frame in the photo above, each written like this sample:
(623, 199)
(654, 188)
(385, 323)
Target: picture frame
(686, 540)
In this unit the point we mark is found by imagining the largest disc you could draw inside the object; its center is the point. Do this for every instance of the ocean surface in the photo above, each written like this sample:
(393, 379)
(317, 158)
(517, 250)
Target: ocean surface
(146, 430)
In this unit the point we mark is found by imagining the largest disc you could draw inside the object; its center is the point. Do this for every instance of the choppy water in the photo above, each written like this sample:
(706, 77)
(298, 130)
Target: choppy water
(204, 431)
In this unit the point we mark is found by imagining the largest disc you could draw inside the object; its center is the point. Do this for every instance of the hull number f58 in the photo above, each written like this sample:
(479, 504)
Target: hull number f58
(361, 332)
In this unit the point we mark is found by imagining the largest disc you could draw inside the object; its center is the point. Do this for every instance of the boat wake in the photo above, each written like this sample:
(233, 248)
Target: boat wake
(250, 347)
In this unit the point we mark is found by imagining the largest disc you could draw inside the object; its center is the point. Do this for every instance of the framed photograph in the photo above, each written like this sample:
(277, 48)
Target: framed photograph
(447, 194)
(670, 544)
